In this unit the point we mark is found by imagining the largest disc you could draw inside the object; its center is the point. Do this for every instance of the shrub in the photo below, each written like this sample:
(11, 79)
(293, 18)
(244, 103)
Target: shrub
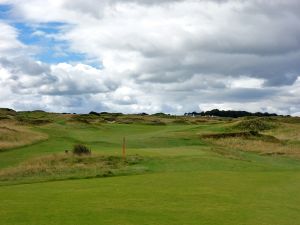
(80, 149)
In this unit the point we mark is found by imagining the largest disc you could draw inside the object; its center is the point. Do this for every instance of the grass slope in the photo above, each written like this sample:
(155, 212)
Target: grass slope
(13, 135)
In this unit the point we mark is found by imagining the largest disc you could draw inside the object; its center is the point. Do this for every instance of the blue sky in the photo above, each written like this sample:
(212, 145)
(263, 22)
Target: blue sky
(50, 49)
(4, 11)
(42, 36)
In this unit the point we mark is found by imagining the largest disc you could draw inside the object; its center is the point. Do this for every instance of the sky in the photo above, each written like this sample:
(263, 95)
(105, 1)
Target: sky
(134, 56)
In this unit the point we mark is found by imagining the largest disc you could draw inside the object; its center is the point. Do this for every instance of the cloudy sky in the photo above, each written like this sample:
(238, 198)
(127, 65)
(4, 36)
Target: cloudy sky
(149, 56)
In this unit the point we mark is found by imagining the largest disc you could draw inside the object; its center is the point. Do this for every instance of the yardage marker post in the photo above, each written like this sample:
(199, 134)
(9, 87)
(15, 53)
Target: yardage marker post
(124, 148)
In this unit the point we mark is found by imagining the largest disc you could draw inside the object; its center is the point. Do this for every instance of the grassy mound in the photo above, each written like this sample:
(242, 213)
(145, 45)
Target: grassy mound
(266, 145)
(6, 111)
(33, 118)
(86, 118)
(232, 134)
(242, 136)
(12, 136)
(256, 124)
(181, 121)
(70, 166)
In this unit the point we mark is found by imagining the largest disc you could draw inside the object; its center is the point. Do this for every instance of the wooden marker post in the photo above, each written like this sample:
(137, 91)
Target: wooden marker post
(124, 148)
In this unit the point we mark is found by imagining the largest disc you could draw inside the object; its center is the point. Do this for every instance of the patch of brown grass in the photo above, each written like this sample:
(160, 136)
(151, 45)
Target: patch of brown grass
(259, 146)
(286, 131)
(67, 166)
(13, 135)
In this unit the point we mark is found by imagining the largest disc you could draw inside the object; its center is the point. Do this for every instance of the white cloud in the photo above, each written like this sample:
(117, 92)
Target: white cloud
(161, 55)
(27, 84)
(246, 82)
(9, 45)
(78, 79)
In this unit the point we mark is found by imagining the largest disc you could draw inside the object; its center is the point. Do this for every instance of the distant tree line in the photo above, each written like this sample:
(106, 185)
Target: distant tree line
(229, 113)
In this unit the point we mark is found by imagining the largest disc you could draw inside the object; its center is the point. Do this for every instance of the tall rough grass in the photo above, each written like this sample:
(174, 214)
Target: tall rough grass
(260, 146)
(66, 166)
(12, 135)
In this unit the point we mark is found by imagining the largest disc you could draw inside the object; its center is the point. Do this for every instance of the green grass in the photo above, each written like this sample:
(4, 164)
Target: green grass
(182, 180)
(107, 139)
(160, 198)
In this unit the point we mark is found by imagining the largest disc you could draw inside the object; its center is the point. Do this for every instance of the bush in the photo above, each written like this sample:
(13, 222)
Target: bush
(80, 149)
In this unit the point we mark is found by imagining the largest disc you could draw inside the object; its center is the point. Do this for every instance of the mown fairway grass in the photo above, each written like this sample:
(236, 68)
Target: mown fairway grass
(217, 197)
(107, 139)
(188, 180)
